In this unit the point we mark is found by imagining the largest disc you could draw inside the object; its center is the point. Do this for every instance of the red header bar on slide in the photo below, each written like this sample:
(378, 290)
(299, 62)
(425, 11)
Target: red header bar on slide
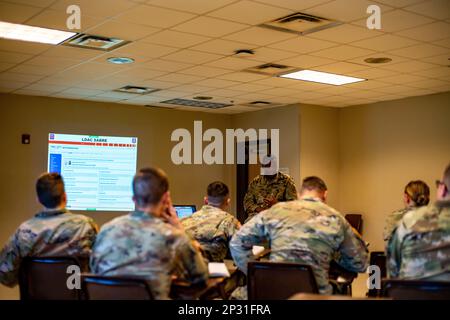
(92, 143)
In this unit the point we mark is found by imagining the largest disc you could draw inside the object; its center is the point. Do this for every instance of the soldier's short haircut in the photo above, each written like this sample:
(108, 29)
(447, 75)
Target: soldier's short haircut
(313, 183)
(50, 189)
(149, 185)
(447, 176)
(217, 192)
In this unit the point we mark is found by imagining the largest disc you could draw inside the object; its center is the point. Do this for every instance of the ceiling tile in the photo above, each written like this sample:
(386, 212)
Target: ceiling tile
(345, 33)
(57, 19)
(428, 84)
(222, 92)
(191, 88)
(233, 63)
(19, 77)
(36, 70)
(23, 46)
(6, 65)
(441, 59)
(97, 8)
(340, 67)
(305, 61)
(409, 66)
(249, 12)
(145, 50)
(127, 31)
(165, 65)
(259, 36)
(397, 20)
(443, 42)
(361, 60)
(438, 72)
(72, 52)
(265, 54)
(51, 62)
(51, 88)
(385, 42)
(33, 3)
(242, 76)
(369, 84)
(429, 32)
(210, 27)
(352, 10)
(205, 71)
(294, 5)
(343, 52)
(81, 92)
(401, 78)
(28, 92)
(220, 46)
(217, 83)
(16, 13)
(179, 78)
(8, 86)
(303, 44)
(420, 51)
(195, 6)
(438, 9)
(191, 56)
(249, 87)
(140, 73)
(154, 16)
(175, 39)
(398, 3)
(13, 57)
(395, 89)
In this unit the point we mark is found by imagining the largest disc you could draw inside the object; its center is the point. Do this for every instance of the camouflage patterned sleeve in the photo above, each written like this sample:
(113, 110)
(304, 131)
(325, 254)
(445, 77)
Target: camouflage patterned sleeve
(193, 267)
(291, 190)
(252, 233)
(10, 260)
(229, 227)
(250, 205)
(353, 251)
(393, 252)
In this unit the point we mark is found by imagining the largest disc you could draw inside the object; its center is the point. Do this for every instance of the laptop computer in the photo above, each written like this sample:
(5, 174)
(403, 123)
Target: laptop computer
(184, 210)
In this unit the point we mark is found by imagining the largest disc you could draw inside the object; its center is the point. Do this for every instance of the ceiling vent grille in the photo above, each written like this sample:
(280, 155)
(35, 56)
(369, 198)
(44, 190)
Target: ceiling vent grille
(271, 69)
(300, 23)
(88, 41)
(196, 103)
(136, 90)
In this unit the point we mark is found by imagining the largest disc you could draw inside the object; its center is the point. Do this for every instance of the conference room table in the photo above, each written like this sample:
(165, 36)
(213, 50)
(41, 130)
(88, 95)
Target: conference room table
(215, 287)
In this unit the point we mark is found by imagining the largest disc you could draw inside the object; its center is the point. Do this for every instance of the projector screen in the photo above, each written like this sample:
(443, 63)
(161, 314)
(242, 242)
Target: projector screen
(97, 170)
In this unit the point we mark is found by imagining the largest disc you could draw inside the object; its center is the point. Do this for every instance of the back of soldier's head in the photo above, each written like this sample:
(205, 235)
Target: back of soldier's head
(419, 192)
(50, 190)
(149, 185)
(313, 184)
(217, 193)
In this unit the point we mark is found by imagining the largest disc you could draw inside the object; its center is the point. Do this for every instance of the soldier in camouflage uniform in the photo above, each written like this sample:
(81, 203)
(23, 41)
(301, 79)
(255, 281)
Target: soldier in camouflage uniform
(305, 231)
(149, 242)
(212, 226)
(420, 245)
(52, 232)
(416, 194)
(268, 188)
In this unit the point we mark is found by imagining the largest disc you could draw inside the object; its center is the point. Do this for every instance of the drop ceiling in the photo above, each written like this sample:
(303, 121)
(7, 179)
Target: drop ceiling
(185, 49)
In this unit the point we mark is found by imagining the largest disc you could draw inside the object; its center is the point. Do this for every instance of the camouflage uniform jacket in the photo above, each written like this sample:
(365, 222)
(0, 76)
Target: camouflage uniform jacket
(141, 245)
(48, 233)
(282, 188)
(305, 231)
(420, 246)
(392, 220)
(213, 229)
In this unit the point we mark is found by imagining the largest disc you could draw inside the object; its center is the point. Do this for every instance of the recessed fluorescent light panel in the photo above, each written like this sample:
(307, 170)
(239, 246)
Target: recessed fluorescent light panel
(321, 77)
(33, 34)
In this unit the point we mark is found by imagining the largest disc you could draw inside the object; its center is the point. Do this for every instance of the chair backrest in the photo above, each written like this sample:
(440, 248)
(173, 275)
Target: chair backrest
(45, 278)
(355, 221)
(415, 289)
(377, 258)
(278, 280)
(115, 288)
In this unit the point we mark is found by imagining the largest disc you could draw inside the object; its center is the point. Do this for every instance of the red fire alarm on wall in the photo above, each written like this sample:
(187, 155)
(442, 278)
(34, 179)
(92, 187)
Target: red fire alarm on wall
(26, 138)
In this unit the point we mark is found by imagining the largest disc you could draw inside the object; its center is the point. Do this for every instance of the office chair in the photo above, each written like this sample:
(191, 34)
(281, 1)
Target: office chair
(377, 258)
(115, 288)
(355, 221)
(278, 280)
(45, 278)
(415, 289)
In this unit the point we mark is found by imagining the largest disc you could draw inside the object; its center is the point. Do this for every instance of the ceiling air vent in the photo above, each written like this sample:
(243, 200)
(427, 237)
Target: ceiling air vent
(136, 90)
(270, 69)
(196, 103)
(300, 23)
(95, 42)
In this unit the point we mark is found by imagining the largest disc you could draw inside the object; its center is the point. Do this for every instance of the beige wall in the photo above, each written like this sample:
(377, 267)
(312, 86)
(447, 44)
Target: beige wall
(319, 147)
(385, 145)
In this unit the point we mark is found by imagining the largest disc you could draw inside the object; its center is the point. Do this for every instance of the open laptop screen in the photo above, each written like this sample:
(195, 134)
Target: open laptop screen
(184, 211)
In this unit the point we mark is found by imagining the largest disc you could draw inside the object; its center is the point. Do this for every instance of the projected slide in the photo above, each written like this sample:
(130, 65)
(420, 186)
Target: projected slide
(97, 170)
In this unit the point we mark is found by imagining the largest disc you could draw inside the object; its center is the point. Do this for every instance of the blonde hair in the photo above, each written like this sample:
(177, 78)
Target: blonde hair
(419, 192)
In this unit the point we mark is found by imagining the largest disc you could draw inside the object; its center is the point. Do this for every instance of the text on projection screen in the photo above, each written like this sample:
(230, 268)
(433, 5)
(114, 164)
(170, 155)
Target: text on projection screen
(97, 170)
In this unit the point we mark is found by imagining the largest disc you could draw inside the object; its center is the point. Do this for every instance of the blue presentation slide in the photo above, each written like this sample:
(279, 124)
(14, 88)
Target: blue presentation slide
(97, 170)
